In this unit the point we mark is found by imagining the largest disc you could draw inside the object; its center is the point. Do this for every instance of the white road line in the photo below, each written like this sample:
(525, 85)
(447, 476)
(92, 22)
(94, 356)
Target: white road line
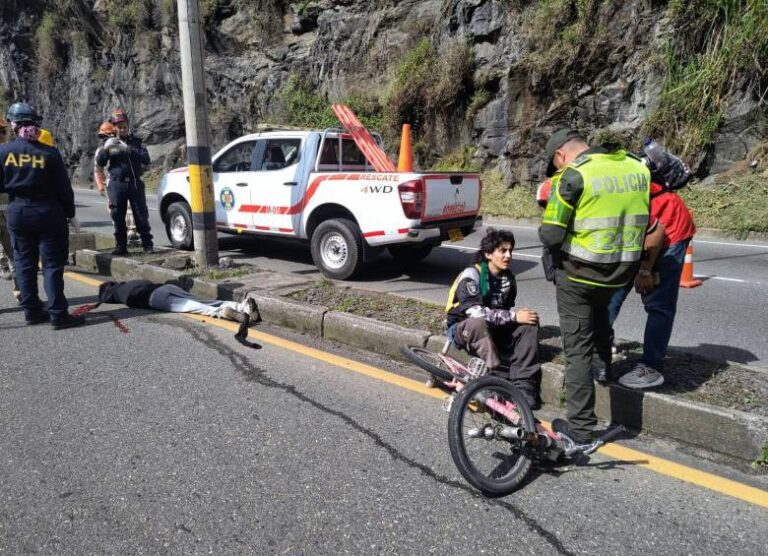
(697, 241)
(739, 280)
(474, 249)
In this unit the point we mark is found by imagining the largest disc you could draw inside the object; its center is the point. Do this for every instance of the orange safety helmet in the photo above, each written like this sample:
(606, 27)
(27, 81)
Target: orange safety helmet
(118, 116)
(106, 129)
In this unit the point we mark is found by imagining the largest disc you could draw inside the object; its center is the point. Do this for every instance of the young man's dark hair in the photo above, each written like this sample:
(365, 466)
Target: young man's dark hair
(493, 238)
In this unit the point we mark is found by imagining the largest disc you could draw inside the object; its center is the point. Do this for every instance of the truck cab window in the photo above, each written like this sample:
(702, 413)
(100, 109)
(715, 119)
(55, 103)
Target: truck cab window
(280, 153)
(236, 159)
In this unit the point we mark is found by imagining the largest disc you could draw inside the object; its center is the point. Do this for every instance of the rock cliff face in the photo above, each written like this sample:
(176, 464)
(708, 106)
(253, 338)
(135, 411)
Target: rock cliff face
(526, 70)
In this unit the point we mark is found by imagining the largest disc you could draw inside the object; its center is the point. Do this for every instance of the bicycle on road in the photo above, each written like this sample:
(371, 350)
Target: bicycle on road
(493, 435)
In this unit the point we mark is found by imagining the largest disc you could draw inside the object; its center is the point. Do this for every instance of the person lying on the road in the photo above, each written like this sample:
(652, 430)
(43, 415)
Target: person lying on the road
(481, 318)
(143, 294)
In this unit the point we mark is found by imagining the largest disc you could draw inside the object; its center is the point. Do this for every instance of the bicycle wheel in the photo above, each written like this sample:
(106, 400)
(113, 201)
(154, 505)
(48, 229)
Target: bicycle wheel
(496, 466)
(429, 361)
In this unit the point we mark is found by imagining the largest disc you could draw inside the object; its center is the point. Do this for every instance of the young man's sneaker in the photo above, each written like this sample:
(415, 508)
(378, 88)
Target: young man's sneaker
(642, 376)
(67, 321)
(563, 428)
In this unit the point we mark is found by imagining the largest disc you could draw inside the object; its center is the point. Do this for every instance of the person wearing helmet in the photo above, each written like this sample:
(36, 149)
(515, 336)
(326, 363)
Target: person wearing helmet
(7, 271)
(125, 158)
(100, 176)
(40, 201)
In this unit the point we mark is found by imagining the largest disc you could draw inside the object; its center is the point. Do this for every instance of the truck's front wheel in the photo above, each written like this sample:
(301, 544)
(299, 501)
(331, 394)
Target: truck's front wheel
(178, 225)
(337, 248)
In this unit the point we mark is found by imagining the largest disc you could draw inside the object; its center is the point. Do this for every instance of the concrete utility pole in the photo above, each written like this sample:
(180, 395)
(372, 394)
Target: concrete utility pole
(198, 149)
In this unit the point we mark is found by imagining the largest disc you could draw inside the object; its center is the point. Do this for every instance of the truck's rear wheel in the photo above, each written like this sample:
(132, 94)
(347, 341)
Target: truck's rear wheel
(178, 225)
(409, 253)
(337, 248)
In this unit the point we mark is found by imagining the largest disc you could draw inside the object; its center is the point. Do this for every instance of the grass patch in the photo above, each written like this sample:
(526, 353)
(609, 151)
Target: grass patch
(389, 308)
(239, 271)
(130, 15)
(458, 161)
(302, 106)
(762, 461)
(739, 205)
(720, 48)
(48, 59)
(500, 200)
(429, 86)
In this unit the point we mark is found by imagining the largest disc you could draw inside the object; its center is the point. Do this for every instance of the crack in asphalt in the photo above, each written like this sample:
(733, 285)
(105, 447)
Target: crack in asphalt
(253, 373)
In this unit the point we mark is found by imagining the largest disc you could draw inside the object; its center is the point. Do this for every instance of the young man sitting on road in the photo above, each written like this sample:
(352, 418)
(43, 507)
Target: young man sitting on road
(481, 318)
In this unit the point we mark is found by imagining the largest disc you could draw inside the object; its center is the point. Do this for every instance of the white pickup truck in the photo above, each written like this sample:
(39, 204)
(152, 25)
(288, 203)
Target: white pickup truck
(319, 186)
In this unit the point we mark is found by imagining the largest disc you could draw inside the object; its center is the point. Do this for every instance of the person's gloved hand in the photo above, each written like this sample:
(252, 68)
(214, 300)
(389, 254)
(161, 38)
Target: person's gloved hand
(114, 146)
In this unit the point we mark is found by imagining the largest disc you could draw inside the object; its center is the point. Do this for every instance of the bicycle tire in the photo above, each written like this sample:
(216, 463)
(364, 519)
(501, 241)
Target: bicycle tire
(515, 463)
(427, 360)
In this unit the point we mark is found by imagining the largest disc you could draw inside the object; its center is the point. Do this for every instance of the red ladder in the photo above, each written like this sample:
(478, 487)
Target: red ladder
(363, 139)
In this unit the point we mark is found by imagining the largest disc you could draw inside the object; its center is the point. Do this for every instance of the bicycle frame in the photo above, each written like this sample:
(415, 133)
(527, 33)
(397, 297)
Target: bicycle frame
(542, 438)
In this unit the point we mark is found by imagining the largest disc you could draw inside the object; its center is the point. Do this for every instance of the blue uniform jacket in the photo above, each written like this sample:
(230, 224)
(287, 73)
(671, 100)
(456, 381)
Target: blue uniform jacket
(29, 169)
(126, 166)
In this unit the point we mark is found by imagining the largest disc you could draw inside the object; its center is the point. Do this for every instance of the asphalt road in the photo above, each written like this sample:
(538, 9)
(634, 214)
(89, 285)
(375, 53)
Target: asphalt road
(725, 318)
(165, 436)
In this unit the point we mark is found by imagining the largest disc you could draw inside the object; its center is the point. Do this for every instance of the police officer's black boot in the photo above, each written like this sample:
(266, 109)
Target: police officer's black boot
(67, 321)
(37, 316)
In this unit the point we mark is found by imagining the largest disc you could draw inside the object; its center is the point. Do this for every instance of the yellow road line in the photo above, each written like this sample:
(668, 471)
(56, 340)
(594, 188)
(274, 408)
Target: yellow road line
(710, 481)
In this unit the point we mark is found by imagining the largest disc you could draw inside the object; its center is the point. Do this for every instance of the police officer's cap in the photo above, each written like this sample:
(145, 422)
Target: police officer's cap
(20, 112)
(557, 140)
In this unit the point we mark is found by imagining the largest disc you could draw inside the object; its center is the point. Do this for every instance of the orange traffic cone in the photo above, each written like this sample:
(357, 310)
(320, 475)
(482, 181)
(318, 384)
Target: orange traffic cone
(686, 278)
(405, 161)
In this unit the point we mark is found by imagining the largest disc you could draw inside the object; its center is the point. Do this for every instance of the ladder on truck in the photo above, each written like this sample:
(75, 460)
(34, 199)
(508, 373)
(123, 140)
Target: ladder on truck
(363, 139)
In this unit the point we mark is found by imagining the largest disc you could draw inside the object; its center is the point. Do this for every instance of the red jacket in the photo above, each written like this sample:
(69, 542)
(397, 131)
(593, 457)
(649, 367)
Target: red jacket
(671, 211)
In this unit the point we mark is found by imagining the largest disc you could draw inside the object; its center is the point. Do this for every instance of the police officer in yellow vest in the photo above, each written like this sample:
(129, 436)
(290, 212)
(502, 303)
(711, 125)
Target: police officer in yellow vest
(594, 224)
(41, 200)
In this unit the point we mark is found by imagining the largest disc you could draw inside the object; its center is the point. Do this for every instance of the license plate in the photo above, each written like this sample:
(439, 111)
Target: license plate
(455, 234)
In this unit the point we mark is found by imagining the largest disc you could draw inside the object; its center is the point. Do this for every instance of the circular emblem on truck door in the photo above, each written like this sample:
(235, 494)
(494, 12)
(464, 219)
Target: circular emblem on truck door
(227, 198)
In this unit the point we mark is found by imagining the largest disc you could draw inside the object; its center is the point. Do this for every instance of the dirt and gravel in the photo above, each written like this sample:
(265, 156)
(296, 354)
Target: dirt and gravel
(686, 375)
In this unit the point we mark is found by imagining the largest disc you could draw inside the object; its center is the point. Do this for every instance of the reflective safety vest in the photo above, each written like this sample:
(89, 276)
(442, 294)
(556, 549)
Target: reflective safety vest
(473, 273)
(608, 223)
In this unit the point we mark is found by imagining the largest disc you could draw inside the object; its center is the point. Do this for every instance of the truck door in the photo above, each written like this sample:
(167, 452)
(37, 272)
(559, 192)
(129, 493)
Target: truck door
(278, 192)
(233, 179)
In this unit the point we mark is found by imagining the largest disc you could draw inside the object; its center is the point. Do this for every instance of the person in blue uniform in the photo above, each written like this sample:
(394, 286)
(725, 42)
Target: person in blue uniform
(125, 159)
(40, 201)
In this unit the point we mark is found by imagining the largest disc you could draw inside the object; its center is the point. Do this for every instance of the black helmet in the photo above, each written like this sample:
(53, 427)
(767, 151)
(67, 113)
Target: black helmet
(20, 112)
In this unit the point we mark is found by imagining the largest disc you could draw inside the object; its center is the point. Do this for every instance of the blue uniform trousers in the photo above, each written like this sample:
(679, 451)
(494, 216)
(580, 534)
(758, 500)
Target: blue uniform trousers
(39, 233)
(120, 194)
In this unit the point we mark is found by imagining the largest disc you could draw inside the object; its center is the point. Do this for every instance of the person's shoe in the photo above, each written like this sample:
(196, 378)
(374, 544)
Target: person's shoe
(563, 428)
(642, 376)
(119, 251)
(38, 317)
(5, 273)
(600, 372)
(232, 314)
(67, 321)
(252, 308)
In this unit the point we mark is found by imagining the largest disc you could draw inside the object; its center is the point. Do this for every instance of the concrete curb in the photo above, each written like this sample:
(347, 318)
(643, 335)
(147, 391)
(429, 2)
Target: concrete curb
(734, 433)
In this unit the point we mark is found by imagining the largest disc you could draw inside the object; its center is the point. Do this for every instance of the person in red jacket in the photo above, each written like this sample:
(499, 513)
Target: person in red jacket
(658, 287)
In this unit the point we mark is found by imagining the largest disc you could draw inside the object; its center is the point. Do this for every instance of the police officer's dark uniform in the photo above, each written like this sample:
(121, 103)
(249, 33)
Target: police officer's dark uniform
(594, 224)
(40, 201)
(125, 167)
